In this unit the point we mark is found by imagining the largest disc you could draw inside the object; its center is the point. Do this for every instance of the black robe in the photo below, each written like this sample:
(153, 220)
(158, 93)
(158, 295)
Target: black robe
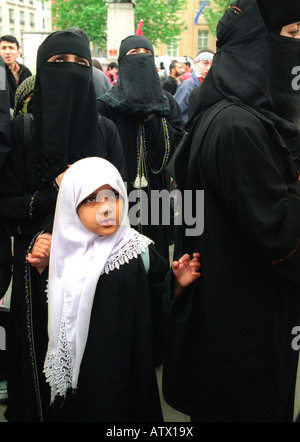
(27, 208)
(233, 349)
(117, 381)
(156, 146)
(241, 150)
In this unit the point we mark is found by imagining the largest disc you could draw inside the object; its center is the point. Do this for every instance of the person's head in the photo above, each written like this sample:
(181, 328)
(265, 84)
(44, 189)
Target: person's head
(112, 68)
(278, 15)
(97, 64)
(203, 62)
(64, 46)
(97, 194)
(135, 45)
(175, 69)
(64, 105)
(187, 66)
(256, 43)
(138, 90)
(9, 49)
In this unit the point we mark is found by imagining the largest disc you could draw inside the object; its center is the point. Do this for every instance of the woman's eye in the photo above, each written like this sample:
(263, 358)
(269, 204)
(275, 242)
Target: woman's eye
(295, 33)
(59, 60)
(82, 62)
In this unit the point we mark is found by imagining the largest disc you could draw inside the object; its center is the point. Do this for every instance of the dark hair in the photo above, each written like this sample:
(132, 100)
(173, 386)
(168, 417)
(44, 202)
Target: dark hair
(112, 65)
(10, 39)
(97, 64)
(173, 65)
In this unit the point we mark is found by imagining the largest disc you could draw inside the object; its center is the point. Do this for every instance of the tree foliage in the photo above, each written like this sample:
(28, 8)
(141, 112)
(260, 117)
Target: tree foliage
(161, 19)
(214, 12)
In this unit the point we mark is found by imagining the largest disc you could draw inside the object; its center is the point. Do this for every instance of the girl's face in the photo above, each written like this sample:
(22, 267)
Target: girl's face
(101, 211)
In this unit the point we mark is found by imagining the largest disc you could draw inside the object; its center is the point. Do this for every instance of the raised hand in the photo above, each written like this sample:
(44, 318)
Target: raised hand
(186, 271)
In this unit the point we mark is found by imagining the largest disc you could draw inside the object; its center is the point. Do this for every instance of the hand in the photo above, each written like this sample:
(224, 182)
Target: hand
(39, 257)
(186, 271)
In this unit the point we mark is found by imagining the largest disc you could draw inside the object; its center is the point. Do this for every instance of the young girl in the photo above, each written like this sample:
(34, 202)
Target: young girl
(103, 278)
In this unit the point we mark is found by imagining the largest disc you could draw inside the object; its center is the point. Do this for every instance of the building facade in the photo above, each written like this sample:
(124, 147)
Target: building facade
(18, 17)
(195, 37)
(30, 21)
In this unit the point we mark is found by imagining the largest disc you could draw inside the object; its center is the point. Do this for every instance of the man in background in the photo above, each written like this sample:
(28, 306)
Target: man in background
(203, 63)
(171, 82)
(16, 72)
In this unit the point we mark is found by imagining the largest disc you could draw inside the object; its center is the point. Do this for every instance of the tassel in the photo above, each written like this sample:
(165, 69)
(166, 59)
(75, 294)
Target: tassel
(144, 182)
(140, 182)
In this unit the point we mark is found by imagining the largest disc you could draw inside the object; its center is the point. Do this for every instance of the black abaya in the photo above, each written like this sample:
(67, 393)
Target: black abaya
(245, 305)
(117, 381)
(156, 147)
(27, 204)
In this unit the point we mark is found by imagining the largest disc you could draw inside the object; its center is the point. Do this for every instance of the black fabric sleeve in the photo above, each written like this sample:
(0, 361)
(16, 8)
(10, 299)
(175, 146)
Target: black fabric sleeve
(249, 171)
(28, 206)
(114, 145)
(157, 272)
(177, 310)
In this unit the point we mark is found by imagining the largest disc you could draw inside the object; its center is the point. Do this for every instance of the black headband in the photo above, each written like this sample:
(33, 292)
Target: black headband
(132, 42)
(278, 13)
(63, 42)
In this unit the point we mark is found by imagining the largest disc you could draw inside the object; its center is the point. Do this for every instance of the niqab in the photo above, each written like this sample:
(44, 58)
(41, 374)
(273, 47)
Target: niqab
(138, 89)
(64, 106)
(263, 61)
(278, 14)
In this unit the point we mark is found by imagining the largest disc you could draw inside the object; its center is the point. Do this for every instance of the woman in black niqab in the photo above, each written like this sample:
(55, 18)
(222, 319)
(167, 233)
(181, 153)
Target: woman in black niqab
(150, 125)
(249, 41)
(65, 126)
(64, 106)
(243, 141)
(138, 90)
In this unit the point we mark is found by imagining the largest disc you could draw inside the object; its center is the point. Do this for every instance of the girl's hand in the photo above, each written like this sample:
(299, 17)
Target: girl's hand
(186, 271)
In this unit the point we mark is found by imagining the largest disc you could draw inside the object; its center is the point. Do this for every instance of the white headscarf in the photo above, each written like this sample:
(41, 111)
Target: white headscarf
(78, 258)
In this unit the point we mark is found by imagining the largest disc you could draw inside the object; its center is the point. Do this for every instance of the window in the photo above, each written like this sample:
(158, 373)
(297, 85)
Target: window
(22, 18)
(31, 19)
(203, 37)
(172, 49)
(11, 15)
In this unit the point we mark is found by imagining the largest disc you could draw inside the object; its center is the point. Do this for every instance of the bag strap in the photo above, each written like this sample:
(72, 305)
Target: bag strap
(27, 128)
(146, 259)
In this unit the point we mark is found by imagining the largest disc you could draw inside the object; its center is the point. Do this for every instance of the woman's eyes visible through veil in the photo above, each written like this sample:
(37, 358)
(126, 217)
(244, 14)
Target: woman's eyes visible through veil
(71, 58)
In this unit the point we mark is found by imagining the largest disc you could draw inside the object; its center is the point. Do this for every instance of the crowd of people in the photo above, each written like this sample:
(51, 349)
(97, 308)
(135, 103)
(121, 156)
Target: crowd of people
(96, 304)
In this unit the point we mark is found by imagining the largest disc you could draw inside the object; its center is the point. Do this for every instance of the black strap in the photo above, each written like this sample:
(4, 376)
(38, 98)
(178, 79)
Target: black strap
(27, 128)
